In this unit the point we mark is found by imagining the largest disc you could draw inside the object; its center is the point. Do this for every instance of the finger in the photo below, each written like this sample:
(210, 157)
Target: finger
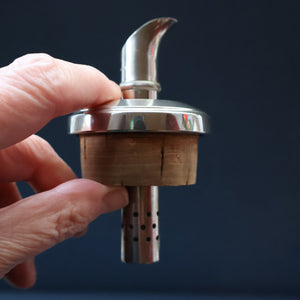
(24, 274)
(32, 225)
(31, 159)
(9, 193)
(37, 88)
(35, 161)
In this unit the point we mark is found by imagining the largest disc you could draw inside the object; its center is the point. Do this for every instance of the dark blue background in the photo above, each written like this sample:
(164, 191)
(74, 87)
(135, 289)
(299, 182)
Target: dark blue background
(238, 229)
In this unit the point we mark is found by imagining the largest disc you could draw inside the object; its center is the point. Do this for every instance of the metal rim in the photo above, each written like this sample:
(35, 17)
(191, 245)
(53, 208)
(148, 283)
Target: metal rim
(140, 115)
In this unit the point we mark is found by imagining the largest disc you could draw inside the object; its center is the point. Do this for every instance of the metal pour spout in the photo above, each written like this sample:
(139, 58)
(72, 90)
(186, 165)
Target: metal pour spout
(140, 226)
(138, 62)
(140, 143)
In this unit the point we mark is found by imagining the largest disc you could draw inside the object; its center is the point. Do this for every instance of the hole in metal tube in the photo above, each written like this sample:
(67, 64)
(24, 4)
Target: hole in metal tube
(148, 214)
(157, 238)
(143, 227)
(136, 239)
(154, 226)
(148, 239)
(135, 214)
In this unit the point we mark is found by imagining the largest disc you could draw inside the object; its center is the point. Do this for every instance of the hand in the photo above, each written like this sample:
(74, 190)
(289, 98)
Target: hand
(33, 90)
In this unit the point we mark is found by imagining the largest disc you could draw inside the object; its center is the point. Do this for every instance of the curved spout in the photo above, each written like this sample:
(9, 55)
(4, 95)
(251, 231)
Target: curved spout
(139, 53)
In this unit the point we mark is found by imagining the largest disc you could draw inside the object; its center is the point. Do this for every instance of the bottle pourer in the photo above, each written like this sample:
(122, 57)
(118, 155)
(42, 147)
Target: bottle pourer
(141, 142)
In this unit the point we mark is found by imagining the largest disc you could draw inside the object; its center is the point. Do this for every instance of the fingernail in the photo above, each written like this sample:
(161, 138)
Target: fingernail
(116, 198)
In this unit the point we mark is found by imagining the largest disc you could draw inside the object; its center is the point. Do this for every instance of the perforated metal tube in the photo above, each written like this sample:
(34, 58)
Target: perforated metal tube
(140, 228)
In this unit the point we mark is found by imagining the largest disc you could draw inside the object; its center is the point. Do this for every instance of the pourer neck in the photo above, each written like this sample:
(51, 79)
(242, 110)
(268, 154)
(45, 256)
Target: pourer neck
(139, 93)
(139, 60)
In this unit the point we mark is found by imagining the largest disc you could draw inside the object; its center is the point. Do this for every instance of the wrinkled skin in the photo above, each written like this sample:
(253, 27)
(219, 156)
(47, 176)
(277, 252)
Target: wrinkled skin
(33, 90)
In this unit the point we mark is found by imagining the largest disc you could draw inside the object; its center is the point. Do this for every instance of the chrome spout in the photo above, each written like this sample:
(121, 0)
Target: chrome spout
(138, 62)
(140, 235)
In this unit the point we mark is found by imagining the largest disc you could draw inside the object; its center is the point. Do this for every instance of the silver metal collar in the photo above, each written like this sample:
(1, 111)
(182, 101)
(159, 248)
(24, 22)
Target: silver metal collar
(141, 115)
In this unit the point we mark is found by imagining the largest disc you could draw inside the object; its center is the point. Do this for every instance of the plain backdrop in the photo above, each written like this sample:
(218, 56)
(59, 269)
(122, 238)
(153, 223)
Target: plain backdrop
(238, 229)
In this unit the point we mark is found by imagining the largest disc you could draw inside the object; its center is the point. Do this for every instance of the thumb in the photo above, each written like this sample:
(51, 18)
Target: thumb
(36, 223)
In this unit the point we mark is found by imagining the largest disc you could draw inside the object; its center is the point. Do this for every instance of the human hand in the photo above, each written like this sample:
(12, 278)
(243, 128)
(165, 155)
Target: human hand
(33, 90)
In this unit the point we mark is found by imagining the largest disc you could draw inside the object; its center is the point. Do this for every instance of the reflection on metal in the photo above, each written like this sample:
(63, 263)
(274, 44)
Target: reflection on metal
(157, 115)
(137, 123)
(189, 122)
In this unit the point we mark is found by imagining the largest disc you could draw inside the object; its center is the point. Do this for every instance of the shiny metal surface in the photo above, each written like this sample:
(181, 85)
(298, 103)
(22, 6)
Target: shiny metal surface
(141, 115)
(139, 93)
(140, 111)
(139, 54)
(140, 240)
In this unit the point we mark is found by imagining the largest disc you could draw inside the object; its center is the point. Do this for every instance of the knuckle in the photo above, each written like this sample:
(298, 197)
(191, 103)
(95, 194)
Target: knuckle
(43, 76)
(37, 59)
(31, 66)
(69, 223)
(35, 64)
